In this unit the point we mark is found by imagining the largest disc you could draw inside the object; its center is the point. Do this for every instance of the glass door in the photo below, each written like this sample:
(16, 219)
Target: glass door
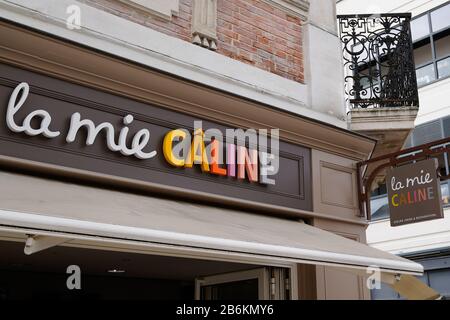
(257, 284)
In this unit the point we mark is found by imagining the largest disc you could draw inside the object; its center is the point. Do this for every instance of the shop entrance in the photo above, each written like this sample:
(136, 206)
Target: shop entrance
(107, 274)
(257, 284)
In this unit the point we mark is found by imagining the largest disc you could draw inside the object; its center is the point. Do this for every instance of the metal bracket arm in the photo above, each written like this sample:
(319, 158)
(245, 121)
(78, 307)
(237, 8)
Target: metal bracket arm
(35, 243)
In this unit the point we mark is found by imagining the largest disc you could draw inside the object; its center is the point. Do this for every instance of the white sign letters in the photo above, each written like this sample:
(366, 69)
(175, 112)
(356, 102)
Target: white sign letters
(14, 106)
(139, 141)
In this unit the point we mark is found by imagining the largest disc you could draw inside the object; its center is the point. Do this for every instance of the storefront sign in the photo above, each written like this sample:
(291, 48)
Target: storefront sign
(219, 155)
(139, 141)
(69, 126)
(241, 161)
(414, 193)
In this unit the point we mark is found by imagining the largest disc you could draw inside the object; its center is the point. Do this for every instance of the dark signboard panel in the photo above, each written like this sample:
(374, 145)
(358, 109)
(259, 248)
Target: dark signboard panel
(61, 99)
(414, 193)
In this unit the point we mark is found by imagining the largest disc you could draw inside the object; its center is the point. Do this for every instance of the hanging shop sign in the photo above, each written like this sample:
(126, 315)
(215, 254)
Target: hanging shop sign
(414, 193)
(71, 127)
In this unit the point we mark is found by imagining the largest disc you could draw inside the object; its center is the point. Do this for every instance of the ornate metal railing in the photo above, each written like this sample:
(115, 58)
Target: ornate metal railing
(378, 60)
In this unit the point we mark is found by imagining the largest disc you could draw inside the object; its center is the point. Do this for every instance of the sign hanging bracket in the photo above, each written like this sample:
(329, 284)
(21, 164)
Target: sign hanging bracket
(368, 170)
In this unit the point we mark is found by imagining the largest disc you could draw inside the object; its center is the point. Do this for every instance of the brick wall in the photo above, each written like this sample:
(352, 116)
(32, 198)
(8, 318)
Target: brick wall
(250, 31)
(179, 26)
(256, 33)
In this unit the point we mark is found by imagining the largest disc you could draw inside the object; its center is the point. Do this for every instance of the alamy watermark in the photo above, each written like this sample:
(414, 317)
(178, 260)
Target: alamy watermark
(73, 21)
(74, 279)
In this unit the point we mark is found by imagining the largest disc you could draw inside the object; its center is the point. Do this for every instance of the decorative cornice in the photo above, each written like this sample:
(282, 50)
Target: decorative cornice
(161, 8)
(298, 8)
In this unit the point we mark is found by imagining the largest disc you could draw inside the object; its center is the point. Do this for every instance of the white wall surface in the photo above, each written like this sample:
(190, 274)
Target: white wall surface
(405, 239)
(323, 63)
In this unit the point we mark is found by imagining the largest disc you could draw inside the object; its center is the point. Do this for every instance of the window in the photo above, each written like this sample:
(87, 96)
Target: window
(431, 39)
(425, 75)
(425, 133)
(446, 123)
(443, 67)
(440, 18)
(420, 27)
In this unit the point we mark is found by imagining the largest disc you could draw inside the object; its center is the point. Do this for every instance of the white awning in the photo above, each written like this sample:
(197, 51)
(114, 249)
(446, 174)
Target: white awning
(44, 207)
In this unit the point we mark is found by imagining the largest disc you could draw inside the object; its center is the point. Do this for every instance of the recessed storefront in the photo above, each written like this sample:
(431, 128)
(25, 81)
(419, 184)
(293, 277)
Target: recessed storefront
(120, 275)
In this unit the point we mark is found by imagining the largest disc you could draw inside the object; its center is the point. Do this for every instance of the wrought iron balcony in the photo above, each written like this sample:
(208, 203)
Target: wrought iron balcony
(378, 60)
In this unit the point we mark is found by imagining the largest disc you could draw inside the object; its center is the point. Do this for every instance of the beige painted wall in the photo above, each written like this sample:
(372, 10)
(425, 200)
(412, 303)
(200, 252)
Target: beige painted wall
(332, 284)
(335, 193)
(334, 185)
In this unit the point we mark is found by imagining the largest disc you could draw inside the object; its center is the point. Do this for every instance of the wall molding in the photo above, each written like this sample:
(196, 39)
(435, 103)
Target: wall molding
(162, 8)
(334, 179)
(341, 169)
(297, 8)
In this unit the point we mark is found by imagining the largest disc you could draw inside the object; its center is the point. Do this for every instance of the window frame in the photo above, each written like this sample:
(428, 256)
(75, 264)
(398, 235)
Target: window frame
(431, 39)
